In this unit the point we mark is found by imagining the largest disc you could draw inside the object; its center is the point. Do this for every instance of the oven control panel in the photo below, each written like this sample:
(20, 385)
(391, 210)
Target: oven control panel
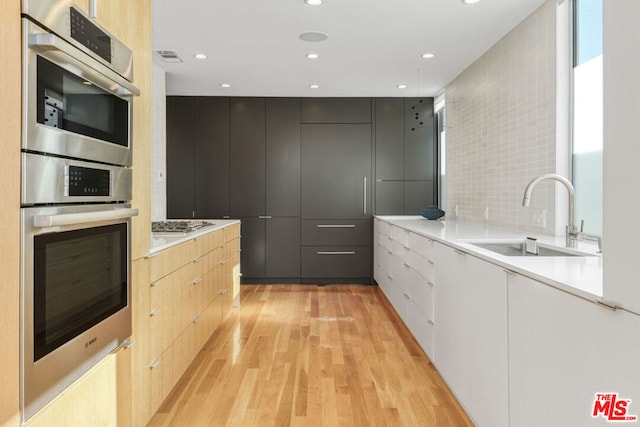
(92, 37)
(88, 181)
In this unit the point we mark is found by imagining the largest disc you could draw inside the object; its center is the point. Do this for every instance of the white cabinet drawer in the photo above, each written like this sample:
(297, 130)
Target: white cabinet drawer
(421, 245)
(418, 289)
(422, 265)
(400, 235)
(383, 227)
(421, 328)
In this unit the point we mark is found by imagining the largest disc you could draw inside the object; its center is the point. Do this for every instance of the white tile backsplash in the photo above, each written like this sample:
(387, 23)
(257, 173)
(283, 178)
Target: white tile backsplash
(158, 146)
(501, 128)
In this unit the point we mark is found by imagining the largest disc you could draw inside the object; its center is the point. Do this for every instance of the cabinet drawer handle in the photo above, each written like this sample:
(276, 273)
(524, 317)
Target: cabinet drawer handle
(223, 262)
(389, 277)
(364, 195)
(389, 237)
(154, 364)
(239, 274)
(197, 260)
(429, 262)
(265, 217)
(405, 265)
(154, 312)
(223, 291)
(406, 295)
(429, 283)
(197, 318)
(197, 281)
(127, 344)
(335, 225)
(154, 284)
(430, 322)
(336, 252)
(390, 253)
(406, 248)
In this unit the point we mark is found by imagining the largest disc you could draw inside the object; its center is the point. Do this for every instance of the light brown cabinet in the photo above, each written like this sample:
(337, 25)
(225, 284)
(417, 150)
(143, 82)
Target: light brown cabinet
(192, 288)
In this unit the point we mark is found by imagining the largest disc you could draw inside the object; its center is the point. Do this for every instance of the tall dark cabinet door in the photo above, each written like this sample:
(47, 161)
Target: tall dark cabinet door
(283, 248)
(180, 152)
(389, 138)
(336, 171)
(211, 160)
(247, 173)
(252, 242)
(283, 157)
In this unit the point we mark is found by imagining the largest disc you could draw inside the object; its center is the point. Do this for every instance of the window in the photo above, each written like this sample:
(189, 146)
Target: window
(587, 114)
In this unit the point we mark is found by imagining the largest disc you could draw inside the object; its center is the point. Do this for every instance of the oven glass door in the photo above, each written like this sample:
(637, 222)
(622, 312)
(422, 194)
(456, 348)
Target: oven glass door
(66, 101)
(80, 279)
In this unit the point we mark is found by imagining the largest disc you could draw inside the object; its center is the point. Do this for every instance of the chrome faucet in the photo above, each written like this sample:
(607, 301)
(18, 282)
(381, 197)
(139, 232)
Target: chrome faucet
(572, 233)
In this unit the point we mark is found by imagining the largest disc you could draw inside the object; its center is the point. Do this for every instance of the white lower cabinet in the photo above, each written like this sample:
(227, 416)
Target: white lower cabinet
(514, 351)
(471, 334)
(400, 273)
(562, 351)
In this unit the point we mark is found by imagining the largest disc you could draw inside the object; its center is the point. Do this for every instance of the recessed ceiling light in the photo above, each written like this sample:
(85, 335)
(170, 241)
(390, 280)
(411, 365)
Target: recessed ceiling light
(314, 86)
(313, 2)
(313, 56)
(470, 1)
(225, 85)
(428, 55)
(313, 36)
(401, 86)
(200, 56)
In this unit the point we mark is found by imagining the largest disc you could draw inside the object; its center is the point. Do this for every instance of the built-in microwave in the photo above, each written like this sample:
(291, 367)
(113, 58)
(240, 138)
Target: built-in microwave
(77, 88)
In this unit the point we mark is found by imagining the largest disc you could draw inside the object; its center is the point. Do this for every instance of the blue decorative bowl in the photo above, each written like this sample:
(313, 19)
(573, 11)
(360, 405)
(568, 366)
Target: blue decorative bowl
(432, 212)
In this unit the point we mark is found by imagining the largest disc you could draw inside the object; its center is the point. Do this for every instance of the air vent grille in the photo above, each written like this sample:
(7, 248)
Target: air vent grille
(169, 55)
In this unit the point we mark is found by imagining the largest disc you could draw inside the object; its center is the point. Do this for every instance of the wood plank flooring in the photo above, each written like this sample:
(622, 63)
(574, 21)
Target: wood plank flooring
(305, 355)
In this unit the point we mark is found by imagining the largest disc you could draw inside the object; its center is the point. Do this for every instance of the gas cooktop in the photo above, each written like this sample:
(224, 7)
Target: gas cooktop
(177, 226)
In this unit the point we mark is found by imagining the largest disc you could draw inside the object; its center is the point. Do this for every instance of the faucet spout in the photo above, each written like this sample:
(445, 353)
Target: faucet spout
(572, 233)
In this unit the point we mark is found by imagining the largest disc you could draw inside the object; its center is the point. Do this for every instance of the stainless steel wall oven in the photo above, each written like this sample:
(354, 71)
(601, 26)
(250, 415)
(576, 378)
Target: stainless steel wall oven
(76, 193)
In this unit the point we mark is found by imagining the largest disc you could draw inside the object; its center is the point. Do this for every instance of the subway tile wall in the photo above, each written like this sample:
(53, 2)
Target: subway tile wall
(158, 144)
(501, 129)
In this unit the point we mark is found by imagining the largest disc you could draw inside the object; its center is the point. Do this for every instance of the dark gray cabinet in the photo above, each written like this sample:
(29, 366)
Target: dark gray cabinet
(336, 171)
(405, 174)
(336, 110)
(247, 180)
(283, 157)
(302, 176)
(265, 185)
(197, 157)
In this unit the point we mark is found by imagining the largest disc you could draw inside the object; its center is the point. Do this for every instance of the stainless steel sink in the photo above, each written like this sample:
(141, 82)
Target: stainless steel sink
(518, 249)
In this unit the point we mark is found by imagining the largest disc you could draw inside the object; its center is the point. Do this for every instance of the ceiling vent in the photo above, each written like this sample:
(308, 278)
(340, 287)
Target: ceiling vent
(169, 55)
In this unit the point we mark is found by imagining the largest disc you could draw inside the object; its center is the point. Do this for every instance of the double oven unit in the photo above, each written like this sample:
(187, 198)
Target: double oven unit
(76, 194)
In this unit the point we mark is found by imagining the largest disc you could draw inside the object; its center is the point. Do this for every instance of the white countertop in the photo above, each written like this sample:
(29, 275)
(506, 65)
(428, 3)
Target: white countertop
(160, 241)
(581, 276)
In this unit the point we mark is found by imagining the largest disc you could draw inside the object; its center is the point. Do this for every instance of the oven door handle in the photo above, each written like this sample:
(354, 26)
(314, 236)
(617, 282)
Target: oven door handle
(82, 218)
(92, 70)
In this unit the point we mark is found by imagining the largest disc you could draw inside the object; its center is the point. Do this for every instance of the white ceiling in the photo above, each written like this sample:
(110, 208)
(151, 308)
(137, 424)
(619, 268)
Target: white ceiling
(373, 45)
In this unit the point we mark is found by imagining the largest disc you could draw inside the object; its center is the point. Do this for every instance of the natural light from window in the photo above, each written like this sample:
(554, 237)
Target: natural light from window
(587, 114)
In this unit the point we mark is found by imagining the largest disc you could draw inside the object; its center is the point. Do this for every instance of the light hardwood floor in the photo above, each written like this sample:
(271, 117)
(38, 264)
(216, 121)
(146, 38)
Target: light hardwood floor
(305, 355)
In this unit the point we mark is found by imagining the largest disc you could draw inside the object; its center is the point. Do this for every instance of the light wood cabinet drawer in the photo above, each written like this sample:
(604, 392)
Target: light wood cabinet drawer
(231, 232)
(171, 259)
